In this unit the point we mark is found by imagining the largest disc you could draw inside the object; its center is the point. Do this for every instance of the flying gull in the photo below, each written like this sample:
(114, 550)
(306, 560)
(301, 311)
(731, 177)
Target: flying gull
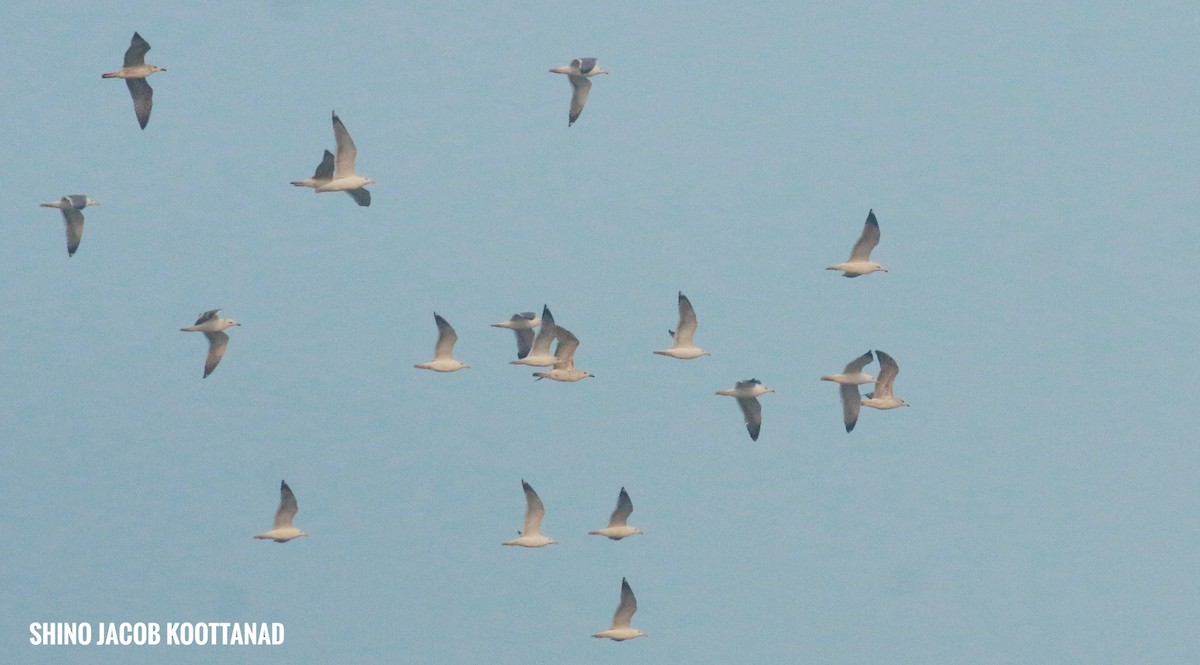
(860, 262)
(539, 354)
(683, 348)
(344, 178)
(617, 527)
(578, 73)
(564, 369)
(620, 630)
(883, 398)
(213, 327)
(283, 530)
(70, 206)
(443, 359)
(747, 393)
(135, 72)
(324, 175)
(848, 381)
(522, 324)
(531, 535)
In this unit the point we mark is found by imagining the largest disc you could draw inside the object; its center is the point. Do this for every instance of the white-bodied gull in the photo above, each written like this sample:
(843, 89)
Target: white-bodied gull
(213, 327)
(324, 175)
(531, 535)
(860, 262)
(443, 351)
(135, 72)
(618, 526)
(564, 369)
(283, 530)
(344, 179)
(71, 205)
(539, 354)
(578, 73)
(684, 348)
(747, 393)
(621, 629)
(883, 398)
(522, 324)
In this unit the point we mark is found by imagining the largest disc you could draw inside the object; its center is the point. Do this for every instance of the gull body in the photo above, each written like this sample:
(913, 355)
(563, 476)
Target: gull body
(522, 324)
(685, 331)
(539, 354)
(324, 175)
(747, 393)
(578, 73)
(618, 526)
(531, 534)
(443, 350)
(135, 72)
(70, 206)
(213, 327)
(564, 369)
(860, 262)
(344, 179)
(623, 617)
(283, 530)
(883, 397)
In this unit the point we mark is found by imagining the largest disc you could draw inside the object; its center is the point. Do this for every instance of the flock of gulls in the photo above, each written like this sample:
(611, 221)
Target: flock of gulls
(551, 346)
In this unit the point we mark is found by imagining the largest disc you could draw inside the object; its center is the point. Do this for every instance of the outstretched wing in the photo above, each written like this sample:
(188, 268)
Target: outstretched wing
(851, 403)
(620, 516)
(752, 411)
(446, 338)
(287, 507)
(136, 53)
(534, 511)
(580, 87)
(867, 241)
(217, 341)
(624, 614)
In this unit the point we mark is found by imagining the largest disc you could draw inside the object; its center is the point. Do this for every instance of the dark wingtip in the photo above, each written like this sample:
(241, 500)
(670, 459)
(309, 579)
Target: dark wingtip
(850, 426)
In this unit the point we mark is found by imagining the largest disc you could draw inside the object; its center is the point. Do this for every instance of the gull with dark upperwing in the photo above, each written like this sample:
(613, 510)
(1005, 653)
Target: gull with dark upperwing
(860, 262)
(135, 72)
(213, 327)
(344, 179)
(684, 333)
(522, 324)
(747, 393)
(578, 73)
(531, 534)
(283, 530)
(324, 175)
(70, 206)
(443, 350)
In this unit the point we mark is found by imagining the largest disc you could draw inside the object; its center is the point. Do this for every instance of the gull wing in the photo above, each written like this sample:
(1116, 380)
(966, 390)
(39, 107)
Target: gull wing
(856, 366)
(685, 332)
(546, 333)
(446, 338)
(565, 353)
(752, 411)
(620, 516)
(79, 201)
(325, 168)
(584, 65)
(136, 53)
(580, 87)
(867, 241)
(143, 99)
(74, 223)
(206, 316)
(888, 369)
(524, 341)
(217, 341)
(851, 404)
(624, 614)
(346, 152)
(534, 511)
(361, 196)
(287, 507)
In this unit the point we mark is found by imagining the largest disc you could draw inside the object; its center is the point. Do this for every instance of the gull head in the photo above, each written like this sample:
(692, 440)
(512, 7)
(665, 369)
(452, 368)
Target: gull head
(233, 323)
(154, 69)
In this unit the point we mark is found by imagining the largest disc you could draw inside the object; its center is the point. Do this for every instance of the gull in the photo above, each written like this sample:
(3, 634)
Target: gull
(747, 393)
(564, 369)
(343, 178)
(617, 527)
(539, 354)
(443, 360)
(522, 324)
(683, 348)
(135, 72)
(860, 262)
(883, 398)
(324, 175)
(213, 327)
(849, 380)
(70, 205)
(578, 73)
(283, 530)
(531, 535)
(620, 630)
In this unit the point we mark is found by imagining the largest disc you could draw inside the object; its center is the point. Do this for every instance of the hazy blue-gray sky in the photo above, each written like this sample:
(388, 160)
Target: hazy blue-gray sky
(1034, 170)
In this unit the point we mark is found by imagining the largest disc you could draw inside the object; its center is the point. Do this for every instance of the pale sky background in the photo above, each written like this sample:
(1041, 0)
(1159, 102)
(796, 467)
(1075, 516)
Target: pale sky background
(1034, 170)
